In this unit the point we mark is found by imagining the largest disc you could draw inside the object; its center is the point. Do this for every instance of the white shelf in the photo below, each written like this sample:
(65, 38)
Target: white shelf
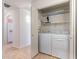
(55, 23)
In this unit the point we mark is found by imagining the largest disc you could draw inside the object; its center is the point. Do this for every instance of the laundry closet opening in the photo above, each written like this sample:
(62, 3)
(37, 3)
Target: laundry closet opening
(54, 30)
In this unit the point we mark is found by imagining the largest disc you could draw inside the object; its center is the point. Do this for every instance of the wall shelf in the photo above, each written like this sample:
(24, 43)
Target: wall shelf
(55, 23)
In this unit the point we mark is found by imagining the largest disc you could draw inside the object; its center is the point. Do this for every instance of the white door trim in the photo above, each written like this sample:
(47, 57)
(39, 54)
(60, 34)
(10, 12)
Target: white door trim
(72, 29)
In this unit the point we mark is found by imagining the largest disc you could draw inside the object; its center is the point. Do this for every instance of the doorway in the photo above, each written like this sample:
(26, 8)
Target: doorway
(60, 25)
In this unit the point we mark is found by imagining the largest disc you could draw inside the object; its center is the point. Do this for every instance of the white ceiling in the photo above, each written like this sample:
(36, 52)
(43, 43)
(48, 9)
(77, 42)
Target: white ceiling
(19, 3)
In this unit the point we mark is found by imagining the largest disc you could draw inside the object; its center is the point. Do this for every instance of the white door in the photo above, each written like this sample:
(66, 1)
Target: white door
(10, 33)
(45, 43)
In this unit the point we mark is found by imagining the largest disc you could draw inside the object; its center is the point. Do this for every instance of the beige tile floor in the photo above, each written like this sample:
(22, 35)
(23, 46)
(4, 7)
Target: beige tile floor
(16, 53)
(44, 56)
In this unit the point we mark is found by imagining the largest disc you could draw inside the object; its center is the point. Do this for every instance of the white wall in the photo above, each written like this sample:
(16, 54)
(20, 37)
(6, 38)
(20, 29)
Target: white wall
(47, 3)
(16, 40)
(60, 28)
(56, 28)
(25, 27)
(22, 28)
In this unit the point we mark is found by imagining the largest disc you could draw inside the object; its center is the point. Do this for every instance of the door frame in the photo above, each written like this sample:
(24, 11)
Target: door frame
(73, 29)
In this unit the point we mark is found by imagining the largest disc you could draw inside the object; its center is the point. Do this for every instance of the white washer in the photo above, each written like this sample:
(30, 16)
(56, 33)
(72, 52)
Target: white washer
(60, 46)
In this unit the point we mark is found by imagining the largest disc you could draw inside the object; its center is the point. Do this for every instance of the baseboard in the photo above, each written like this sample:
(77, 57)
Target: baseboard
(49, 55)
(35, 56)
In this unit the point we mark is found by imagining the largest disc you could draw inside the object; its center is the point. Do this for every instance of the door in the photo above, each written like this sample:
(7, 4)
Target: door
(10, 33)
(45, 43)
(10, 28)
